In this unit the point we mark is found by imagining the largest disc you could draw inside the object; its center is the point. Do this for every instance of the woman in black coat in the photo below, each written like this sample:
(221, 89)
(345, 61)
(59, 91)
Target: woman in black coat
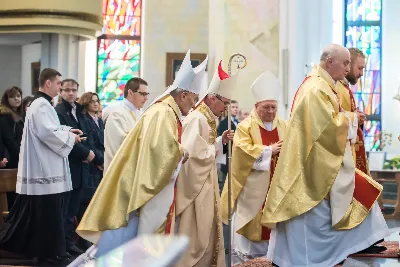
(91, 104)
(12, 127)
(11, 121)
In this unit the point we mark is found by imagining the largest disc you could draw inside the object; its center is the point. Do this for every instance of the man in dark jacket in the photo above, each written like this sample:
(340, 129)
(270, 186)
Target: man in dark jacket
(222, 127)
(70, 114)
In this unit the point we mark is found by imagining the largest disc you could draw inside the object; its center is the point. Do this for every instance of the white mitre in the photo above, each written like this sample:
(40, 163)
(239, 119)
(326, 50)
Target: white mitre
(188, 78)
(221, 84)
(266, 87)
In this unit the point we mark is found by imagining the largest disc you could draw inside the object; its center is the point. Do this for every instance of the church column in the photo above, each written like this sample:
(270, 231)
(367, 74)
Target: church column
(65, 53)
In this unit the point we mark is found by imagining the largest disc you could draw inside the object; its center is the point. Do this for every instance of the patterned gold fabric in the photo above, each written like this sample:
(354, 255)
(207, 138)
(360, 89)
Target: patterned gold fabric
(247, 147)
(205, 110)
(312, 151)
(141, 168)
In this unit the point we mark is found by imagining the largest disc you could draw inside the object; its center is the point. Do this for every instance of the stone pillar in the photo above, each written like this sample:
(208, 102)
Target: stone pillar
(65, 53)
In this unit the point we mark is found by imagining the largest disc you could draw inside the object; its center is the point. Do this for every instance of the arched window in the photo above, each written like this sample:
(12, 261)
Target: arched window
(118, 48)
(363, 29)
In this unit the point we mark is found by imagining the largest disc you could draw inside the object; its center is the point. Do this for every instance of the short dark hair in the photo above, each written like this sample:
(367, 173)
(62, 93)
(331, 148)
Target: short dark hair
(70, 81)
(133, 85)
(234, 102)
(47, 74)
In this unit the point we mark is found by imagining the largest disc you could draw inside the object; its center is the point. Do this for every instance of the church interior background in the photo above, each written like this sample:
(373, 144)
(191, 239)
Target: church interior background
(104, 43)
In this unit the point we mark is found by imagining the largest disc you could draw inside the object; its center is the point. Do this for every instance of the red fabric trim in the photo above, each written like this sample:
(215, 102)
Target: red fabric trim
(361, 160)
(364, 192)
(171, 216)
(268, 138)
(294, 99)
(222, 74)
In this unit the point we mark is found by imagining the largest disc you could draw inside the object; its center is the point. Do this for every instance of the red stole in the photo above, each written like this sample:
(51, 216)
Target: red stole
(305, 79)
(171, 212)
(361, 160)
(268, 138)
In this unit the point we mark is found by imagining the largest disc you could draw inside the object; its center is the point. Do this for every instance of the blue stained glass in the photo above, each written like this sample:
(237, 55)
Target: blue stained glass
(367, 92)
(363, 37)
(363, 10)
(371, 135)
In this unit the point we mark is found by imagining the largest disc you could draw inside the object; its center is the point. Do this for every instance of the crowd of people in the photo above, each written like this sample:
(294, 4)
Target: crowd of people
(301, 191)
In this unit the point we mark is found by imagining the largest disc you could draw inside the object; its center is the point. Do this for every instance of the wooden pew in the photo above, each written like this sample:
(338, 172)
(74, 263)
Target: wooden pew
(393, 176)
(8, 181)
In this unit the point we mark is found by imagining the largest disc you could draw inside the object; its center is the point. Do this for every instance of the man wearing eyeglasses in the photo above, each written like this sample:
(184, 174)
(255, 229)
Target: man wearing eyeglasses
(119, 120)
(255, 153)
(197, 202)
(70, 114)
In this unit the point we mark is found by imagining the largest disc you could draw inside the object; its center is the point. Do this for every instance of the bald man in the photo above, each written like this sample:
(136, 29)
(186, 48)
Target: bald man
(321, 207)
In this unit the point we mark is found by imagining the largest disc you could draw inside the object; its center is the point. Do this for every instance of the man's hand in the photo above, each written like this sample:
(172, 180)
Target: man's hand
(361, 117)
(77, 139)
(76, 131)
(185, 156)
(100, 167)
(227, 135)
(91, 156)
(3, 163)
(276, 147)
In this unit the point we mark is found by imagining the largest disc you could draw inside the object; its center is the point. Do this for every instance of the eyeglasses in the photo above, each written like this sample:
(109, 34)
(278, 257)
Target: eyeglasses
(226, 103)
(67, 90)
(142, 93)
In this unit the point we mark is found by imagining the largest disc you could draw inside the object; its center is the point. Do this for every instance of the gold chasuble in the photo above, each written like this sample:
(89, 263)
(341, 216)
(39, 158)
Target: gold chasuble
(142, 167)
(348, 103)
(313, 164)
(197, 203)
(250, 186)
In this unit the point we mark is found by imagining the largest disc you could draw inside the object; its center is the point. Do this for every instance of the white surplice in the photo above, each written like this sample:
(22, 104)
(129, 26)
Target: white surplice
(119, 120)
(43, 167)
(309, 240)
(242, 248)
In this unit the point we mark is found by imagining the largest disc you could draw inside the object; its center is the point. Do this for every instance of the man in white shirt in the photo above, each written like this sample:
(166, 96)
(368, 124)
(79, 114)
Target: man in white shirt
(119, 120)
(34, 226)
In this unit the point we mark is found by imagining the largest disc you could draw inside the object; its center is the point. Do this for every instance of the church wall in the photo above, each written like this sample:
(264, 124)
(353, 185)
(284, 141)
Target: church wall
(10, 66)
(309, 27)
(30, 53)
(171, 27)
(391, 72)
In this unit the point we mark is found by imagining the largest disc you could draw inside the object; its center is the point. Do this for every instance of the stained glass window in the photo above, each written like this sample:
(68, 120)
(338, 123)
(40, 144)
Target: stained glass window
(118, 54)
(363, 29)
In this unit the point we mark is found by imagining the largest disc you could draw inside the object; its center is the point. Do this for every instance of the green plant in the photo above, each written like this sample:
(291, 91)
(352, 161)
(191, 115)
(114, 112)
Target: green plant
(392, 164)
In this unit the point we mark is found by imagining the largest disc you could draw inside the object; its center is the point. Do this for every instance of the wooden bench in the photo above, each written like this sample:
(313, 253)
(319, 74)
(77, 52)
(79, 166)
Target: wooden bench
(8, 181)
(392, 176)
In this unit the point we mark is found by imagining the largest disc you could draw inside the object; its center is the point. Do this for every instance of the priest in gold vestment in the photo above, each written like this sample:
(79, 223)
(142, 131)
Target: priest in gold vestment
(321, 207)
(137, 194)
(348, 103)
(256, 147)
(197, 202)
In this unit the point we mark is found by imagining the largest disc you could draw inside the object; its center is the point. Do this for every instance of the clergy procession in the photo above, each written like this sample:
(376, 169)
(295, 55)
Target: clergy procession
(297, 193)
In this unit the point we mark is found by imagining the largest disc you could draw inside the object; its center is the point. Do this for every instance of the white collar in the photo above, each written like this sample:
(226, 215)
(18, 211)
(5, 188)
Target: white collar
(334, 83)
(268, 126)
(131, 106)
